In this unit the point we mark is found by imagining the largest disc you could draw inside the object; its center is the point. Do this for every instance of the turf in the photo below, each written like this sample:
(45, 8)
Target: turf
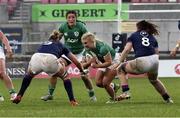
(145, 101)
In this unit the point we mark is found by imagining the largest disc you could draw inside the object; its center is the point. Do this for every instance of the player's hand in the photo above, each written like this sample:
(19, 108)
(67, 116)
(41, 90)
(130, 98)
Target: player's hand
(9, 54)
(173, 53)
(94, 65)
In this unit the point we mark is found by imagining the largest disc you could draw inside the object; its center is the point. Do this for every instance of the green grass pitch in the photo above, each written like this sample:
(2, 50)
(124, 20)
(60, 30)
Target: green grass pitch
(145, 101)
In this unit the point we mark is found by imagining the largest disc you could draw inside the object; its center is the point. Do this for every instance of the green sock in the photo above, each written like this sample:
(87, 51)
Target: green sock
(91, 93)
(11, 91)
(51, 89)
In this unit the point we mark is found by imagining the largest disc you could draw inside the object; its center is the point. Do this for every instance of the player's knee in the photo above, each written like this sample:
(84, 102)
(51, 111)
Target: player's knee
(99, 84)
(105, 84)
(122, 68)
(2, 74)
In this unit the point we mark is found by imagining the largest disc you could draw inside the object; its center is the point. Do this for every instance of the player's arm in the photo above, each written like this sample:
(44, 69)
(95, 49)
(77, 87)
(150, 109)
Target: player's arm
(85, 62)
(73, 58)
(107, 59)
(173, 51)
(124, 54)
(7, 45)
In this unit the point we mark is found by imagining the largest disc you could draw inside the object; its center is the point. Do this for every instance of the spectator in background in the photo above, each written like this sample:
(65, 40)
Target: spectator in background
(174, 51)
(146, 59)
(101, 56)
(3, 75)
(47, 59)
(72, 30)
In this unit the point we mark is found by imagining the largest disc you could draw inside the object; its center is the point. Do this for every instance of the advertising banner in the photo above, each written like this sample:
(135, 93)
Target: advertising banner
(16, 69)
(15, 36)
(119, 41)
(167, 68)
(86, 12)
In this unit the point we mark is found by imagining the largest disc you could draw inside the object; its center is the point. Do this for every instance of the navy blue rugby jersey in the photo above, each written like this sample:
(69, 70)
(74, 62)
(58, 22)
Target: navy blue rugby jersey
(143, 43)
(55, 48)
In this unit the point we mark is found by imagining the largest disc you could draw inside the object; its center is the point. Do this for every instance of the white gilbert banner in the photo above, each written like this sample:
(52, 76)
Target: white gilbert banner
(169, 68)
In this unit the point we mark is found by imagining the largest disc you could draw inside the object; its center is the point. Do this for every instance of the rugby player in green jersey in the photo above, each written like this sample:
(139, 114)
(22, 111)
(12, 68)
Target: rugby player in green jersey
(3, 75)
(72, 30)
(102, 58)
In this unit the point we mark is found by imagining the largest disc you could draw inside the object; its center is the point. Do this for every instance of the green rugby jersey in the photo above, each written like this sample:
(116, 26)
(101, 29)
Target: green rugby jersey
(72, 36)
(100, 51)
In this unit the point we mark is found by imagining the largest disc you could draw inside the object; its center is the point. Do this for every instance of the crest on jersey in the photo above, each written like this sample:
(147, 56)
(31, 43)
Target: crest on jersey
(144, 34)
(76, 34)
(65, 34)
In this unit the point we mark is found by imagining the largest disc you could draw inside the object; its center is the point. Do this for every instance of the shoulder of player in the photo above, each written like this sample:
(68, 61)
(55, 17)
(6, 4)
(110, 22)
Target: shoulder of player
(63, 24)
(80, 24)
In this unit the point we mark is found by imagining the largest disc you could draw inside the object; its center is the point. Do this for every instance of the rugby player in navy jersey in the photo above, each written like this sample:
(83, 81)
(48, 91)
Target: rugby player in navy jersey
(47, 59)
(146, 59)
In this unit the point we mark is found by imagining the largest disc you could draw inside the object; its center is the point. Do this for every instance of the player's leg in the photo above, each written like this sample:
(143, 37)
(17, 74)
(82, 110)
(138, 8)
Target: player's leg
(67, 84)
(89, 86)
(53, 81)
(6, 79)
(160, 88)
(51, 88)
(124, 81)
(108, 77)
(87, 82)
(25, 83)
(34, 68)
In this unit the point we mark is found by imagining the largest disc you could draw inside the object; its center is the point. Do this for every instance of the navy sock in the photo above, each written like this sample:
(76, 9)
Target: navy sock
(165, 96)
(25, 83)
(125, 88)
(68, 87)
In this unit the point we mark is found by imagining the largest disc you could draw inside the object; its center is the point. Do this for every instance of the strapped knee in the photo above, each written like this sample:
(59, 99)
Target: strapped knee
(122, 68)
(64, 75)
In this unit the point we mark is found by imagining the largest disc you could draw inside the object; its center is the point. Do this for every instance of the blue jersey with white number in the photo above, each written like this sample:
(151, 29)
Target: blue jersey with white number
(143, 43)
(55, 48)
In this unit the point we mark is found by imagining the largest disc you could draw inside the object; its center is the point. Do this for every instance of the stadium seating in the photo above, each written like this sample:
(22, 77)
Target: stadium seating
(63, 1)
(134, 1)
(44, 1)
(145, 1)
(163, 1)
(98, 1)
(4, 1)
(89, 1)
(108, 1)
(12, 2)
(72, 1)
(53, 1)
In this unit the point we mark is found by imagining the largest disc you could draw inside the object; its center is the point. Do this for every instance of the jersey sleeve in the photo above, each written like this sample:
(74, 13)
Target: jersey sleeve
(84, 53)
(104, 51)
(130, 39)
(156, 44)
(66, 51)
(61, 28)
(83, 28)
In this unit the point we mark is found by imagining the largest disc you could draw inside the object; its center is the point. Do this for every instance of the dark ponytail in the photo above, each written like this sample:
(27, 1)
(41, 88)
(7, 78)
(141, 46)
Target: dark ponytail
(148, 27)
